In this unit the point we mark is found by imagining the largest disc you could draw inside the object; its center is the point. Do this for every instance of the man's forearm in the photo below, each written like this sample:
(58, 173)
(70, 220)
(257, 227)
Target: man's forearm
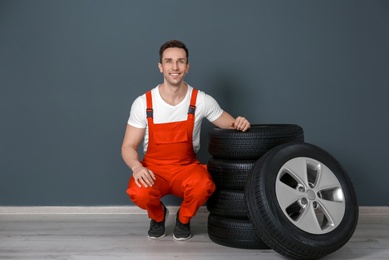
(131, 157)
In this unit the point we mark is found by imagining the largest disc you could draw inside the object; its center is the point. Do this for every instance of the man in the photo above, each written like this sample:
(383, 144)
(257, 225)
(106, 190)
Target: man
(168, 119)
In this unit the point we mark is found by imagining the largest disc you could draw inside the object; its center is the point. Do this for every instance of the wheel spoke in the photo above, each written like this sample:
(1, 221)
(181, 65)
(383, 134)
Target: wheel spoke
(326, 179)
(298, 169)
(286, 195)
(309, 222)
(334, 211)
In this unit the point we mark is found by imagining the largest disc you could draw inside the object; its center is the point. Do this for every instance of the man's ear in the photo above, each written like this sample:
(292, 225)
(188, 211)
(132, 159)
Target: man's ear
(160, 67)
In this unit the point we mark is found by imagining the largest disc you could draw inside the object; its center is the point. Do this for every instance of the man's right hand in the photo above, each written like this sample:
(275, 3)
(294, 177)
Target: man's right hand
(143, 176)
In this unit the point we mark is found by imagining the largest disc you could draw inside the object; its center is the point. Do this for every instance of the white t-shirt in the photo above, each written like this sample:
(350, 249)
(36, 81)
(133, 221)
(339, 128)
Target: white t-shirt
(206, 106)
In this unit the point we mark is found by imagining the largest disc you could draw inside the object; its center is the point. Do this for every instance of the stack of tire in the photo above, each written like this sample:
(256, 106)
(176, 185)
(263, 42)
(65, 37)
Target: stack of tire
(233, 155)
(273, 190)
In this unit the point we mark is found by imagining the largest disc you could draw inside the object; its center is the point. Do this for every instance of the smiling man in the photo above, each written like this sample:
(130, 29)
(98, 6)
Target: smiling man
(168, 120)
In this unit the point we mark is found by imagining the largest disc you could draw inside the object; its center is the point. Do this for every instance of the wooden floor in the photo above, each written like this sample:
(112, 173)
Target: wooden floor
(123, 236)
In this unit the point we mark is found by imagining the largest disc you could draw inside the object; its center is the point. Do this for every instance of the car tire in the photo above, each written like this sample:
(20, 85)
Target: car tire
(251, 145)
(233, 233)
(301, 201)
(228, 203)
(229, 174)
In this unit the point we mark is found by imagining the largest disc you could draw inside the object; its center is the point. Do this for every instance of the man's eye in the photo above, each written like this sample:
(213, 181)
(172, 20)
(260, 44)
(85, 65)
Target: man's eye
(182, 62)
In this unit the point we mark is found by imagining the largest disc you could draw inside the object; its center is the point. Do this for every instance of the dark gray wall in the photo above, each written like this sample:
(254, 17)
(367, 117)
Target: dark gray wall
(69, 71)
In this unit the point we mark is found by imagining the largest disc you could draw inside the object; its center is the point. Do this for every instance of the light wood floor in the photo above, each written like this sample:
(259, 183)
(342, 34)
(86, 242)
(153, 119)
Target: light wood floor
(123, 236)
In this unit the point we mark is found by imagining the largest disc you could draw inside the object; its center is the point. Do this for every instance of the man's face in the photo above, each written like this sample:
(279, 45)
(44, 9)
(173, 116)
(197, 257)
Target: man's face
(174, 66)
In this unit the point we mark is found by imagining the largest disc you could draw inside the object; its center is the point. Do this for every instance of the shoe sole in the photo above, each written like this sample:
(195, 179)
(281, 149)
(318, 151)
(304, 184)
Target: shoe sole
(166, 216)
(157, 237)
(182, 238)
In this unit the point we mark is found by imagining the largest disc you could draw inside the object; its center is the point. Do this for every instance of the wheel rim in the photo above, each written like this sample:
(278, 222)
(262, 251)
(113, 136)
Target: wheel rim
(310, 195)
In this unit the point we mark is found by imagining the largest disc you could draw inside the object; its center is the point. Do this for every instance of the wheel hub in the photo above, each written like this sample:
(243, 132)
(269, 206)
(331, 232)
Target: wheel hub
(311, 195)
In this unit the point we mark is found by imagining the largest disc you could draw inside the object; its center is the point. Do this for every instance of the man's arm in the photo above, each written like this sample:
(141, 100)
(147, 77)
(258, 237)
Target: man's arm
(132, 139)
(226, 121)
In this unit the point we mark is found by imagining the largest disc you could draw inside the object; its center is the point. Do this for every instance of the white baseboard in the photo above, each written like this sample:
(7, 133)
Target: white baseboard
(130, 210)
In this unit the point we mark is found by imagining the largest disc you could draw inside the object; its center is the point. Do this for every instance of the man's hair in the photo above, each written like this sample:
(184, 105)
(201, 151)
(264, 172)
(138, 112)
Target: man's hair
(173, 44)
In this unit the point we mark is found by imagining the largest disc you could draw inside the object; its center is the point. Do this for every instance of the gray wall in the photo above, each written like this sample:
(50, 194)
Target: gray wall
(69, 71)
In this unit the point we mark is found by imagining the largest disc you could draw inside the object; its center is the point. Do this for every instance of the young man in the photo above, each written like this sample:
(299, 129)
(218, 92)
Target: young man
(168, 118)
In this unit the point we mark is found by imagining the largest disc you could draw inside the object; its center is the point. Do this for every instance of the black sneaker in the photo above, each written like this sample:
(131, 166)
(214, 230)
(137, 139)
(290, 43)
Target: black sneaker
(181, 231)
(157, 229)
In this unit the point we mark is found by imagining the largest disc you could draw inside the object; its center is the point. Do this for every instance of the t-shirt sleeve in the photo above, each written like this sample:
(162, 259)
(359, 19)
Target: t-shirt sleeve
(138, 113)
(212, 109)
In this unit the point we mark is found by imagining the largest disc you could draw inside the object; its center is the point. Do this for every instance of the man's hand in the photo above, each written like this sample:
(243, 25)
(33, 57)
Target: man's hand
(226, 121)
(241, 124)
(143, 176)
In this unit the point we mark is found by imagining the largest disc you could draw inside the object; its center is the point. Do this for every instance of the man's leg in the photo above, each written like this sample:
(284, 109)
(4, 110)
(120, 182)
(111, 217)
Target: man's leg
(149, 199)
(194, 184)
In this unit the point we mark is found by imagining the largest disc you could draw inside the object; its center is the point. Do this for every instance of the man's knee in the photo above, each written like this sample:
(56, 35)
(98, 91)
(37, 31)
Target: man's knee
(210, 187)
(141, 195)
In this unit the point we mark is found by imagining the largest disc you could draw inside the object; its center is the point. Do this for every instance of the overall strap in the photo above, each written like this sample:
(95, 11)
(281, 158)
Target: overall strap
(192, 106)
(149, 108)
(191, 115)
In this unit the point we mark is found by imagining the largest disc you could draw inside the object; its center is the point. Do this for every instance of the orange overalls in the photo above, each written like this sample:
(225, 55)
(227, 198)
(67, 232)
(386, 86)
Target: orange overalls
(171, 158)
